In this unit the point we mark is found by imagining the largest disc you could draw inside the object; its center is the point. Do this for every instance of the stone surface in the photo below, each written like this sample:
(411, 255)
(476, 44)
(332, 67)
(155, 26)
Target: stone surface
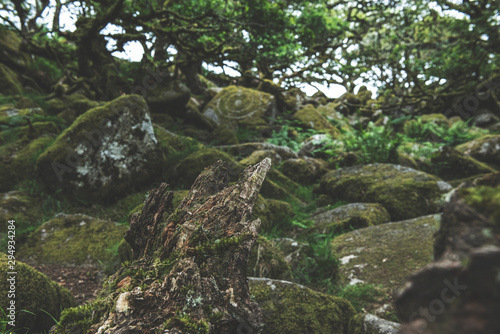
(35, 293)
(291, 308)
(371, 324)
(485, 149)
(241, 107)
(349, 217)
(73, 240)
(385, 254)
(304, 171)
(405, 193)
(106, 151)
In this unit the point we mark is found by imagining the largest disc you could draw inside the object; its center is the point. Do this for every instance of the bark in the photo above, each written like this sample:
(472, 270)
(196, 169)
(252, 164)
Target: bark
(189, 275)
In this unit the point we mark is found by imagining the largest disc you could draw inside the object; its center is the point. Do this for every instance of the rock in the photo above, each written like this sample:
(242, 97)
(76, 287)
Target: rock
(348, 217)
(384, 255)
(310, 118)
(247, 149)
(404, 192)
(17, 162)
(451, 164)
(259, 155)
(289, 308)
(169, 96)
(312, 144)
(35, 293)
(330, 112)
(294, 98)
(272, 213)
(304, 171)
(20, 206)
(69, 107)
(9, 81)
(266, 260)
(186, 171)
(371, 324)
(73, 240)
(458, 293)
(241, 107)
(225, 135)
(485, 149)
(108, 150)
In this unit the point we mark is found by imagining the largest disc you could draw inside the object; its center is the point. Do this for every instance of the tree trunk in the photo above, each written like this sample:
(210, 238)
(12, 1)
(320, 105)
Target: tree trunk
(189, 273)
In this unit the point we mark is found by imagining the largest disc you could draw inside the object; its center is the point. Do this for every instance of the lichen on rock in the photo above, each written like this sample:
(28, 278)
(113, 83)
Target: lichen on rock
(106, 151)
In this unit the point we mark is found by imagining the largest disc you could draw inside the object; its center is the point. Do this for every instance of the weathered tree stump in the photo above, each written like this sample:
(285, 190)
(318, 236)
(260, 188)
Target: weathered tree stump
(189, 273)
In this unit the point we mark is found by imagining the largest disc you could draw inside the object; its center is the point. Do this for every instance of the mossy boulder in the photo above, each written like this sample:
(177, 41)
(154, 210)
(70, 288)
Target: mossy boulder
(485, 149)
(451, 164)
(404, 192)
(107, 151)
(237, 107)
(272, 212)
(186, 171)
(35, 293)
(385, 254)
(168, 97)
(259, 155)
(267, 260)
(17, 162)
(310, 118)
(334, 116)
(290, 308)
(305, 170)
(73, 240)
(225, 135)
(69, 107)
(349, 217)
(21, 207)
(9, 81)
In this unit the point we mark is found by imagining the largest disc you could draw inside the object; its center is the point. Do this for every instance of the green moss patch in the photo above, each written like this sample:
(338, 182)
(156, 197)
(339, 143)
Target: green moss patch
(73, 239)
(404, 192)
(290, 308)
(35, 293)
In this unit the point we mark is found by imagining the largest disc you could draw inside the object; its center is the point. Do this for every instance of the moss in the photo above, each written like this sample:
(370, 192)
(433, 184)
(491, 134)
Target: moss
(272, 213)
(190, 167)
(34, 292)
(21, 207)
(83, 317)
(187, 324)
(94, 170)
(485, 149)
(486, 200)
(224, 135)
(349, 217)
(385, 254)
(404, 192)
(450, 164)
(19, 160)
(292, 309)
(237, 107)
(267, 260)
(73, 239)
(9, 81)
(310, 118)
(212, 247)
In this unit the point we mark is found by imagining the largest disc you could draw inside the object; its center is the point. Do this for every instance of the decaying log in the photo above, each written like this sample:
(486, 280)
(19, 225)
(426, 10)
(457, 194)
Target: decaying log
(189, 275)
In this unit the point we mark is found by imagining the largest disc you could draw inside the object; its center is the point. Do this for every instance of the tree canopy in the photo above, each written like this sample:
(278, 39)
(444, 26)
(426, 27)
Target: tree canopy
(416, 50)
